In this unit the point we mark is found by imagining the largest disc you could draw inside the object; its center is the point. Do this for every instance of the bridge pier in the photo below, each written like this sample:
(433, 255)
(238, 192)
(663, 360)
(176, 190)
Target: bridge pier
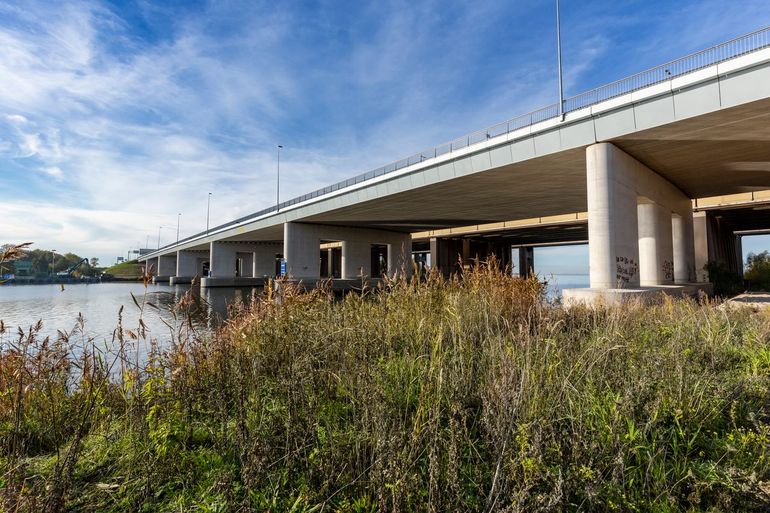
(166, 268)
(302, 243)
(639, 230)
(189, 264)
(356, 259)
(240, 264)
(526, 261)
(717, 243)
(656, 248)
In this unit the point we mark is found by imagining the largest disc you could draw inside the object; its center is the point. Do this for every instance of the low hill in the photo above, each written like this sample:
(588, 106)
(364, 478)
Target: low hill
(130, 270)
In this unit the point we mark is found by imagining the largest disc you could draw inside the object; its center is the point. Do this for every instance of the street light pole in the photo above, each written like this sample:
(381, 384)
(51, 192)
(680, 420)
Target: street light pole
(178, 217)
(278, 180)
(558, 58)
(53, 260)
(208, 211)
(159, 227)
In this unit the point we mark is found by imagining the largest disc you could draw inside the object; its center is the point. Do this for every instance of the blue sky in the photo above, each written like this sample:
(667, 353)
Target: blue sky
(116, 116)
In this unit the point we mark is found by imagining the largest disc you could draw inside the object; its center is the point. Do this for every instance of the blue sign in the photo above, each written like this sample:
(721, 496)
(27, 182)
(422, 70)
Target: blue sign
(283, 267)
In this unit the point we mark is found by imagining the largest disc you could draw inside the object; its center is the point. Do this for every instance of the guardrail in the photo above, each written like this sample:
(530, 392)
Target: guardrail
(689, 64)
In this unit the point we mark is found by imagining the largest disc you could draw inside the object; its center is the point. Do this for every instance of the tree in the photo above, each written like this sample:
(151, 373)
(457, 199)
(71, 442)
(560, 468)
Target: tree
(758, 271)
(94, 262)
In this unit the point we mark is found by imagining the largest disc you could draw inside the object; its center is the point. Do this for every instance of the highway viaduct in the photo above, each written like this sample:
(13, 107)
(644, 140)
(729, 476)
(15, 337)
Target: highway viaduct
(659, 172)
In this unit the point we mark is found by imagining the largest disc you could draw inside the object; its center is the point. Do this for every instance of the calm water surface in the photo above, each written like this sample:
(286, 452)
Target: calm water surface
(23, 305)
(559, 282)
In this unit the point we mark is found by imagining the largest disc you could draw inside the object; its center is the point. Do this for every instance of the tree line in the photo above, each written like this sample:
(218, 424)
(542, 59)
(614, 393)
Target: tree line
(47, 262)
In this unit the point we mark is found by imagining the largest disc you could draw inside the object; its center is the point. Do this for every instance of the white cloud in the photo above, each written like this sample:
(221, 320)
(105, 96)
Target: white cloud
(16, 119)
(54, 171)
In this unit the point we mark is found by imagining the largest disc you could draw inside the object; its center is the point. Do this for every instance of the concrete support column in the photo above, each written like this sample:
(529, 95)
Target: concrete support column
(656, 251)
(222, 260)
(245, 261)
(684, 248)
(613, 247)
(301, 245)
(400, 256)
(330, 262)
(434, 253)
(700, 232)
(356, 259)
(186, 263)
(166, 265)
(526, 261)
(263, 259)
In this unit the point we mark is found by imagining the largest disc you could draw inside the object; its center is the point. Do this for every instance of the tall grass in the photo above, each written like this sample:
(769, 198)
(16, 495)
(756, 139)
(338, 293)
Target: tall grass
(471, 394)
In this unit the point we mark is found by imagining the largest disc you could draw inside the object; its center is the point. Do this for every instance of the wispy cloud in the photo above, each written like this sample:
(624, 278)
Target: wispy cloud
(113, 120)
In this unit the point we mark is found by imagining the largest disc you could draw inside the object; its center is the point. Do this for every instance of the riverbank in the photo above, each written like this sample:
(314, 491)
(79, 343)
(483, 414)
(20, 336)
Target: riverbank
(468, 395)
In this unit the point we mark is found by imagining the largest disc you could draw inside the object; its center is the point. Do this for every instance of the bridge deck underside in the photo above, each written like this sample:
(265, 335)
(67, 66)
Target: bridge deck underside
(724, 152)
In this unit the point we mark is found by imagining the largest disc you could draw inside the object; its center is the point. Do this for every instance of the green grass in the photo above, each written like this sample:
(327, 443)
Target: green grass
(468, 395)
(126, 270)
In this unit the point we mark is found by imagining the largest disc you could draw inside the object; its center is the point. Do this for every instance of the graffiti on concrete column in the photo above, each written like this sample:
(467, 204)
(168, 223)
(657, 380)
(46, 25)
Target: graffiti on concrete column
(626, 269)
(668, 270)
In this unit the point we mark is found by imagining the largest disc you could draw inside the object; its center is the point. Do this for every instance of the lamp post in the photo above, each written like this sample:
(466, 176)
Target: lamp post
(278, 180)
(159, 227)
(53, 260)
(208, 211)
(558, 59)
(178, 217)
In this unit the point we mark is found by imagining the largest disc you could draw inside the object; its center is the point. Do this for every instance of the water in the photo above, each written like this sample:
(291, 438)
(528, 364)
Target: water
(23, 305)
(559, 282)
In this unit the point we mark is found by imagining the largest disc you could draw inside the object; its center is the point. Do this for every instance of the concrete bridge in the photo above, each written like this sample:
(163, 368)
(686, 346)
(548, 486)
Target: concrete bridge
(639, 169)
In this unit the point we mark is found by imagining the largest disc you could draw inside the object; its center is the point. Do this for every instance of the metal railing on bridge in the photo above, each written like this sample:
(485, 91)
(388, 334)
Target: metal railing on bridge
(689, 64)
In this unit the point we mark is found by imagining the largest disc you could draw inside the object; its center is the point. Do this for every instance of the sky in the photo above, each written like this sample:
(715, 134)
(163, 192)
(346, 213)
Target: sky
(115, 117)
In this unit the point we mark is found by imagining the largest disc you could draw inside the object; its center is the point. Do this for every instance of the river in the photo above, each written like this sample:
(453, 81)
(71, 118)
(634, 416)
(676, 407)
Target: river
(99, 303)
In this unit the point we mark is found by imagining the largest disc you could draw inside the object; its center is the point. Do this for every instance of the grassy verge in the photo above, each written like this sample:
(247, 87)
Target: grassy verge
(468, 395)
(126, 270)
